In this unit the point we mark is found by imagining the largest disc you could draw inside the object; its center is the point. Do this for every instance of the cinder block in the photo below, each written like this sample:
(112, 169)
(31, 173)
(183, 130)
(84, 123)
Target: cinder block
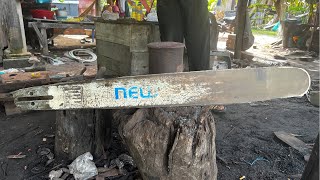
(16, 63)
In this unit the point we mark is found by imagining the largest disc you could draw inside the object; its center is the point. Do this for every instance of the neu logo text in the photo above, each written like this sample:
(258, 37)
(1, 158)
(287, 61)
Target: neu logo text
(134, 92)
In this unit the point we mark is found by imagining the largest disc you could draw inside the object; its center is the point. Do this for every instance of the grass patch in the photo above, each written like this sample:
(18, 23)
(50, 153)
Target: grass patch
(264, 32)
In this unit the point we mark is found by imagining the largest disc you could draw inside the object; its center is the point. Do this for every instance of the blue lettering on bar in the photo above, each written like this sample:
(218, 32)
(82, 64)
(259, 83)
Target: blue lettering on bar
(116, 92)
(134, 92)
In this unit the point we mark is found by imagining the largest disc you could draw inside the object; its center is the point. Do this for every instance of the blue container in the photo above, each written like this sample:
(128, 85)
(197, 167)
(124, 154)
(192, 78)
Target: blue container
(71, 6)
(43, 1)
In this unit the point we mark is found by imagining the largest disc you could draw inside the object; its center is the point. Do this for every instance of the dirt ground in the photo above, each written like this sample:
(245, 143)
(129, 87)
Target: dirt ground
(244, 133)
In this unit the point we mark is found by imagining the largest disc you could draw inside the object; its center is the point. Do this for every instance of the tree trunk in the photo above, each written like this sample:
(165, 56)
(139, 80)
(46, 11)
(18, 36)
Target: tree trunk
(81, 131)
(171, 143)
(281, 6)
(277, 6)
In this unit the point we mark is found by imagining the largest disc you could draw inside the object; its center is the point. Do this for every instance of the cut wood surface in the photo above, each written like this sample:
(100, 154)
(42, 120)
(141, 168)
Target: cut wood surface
(171, 143)
(294, 142)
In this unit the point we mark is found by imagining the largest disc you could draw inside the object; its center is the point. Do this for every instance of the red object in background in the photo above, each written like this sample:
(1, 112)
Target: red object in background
(42, 14)
(115, 9)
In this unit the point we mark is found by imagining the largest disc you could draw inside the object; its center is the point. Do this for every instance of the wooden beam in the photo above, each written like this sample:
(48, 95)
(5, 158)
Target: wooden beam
(241, 22)
(45, 48)
(4, 97)
(15, 27)
(62, 25)
(294, 142)
(11, 109)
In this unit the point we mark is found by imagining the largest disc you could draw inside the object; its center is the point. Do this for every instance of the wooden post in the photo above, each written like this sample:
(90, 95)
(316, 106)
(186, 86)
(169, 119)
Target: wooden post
(12, 27)
(81, 131)
(45, 48)
(241, 22)
(311, 171)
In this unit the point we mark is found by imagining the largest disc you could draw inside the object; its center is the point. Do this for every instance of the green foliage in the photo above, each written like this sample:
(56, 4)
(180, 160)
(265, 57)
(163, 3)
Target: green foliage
(296, 7)
(259, 6)
(211, 4)
(264, 32)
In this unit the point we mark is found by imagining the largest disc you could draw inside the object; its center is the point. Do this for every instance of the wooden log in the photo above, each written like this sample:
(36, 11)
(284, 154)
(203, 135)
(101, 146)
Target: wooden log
(171, 143)
(311, 171)
(80, 131)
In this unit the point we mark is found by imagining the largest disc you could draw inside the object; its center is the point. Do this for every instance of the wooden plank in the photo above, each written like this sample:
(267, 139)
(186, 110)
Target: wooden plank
(45, 48)
(5, 97)
(61, 25)
(241, 22)
(5, 88)
(173, 89)
(59, 21)
(23, 76)
(11, 109)
(294, 142)
(40, 37)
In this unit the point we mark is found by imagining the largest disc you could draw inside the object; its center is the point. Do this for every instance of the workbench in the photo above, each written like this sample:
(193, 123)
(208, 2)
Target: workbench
(40, 26)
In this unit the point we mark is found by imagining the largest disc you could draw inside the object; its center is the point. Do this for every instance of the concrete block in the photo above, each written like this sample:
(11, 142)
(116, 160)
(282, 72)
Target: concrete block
(16, 63)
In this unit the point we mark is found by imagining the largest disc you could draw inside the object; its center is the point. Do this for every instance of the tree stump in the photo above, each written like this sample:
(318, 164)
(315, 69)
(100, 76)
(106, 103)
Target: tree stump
(171, 143)
(81, 131)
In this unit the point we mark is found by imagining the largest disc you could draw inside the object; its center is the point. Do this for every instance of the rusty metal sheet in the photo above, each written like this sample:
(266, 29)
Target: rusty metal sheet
(176, 89)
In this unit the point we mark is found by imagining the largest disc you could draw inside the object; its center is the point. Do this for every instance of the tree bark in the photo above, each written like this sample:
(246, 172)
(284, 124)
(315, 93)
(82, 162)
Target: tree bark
(240, 27)
(81, 131)
(171, 143)
(281, 6)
